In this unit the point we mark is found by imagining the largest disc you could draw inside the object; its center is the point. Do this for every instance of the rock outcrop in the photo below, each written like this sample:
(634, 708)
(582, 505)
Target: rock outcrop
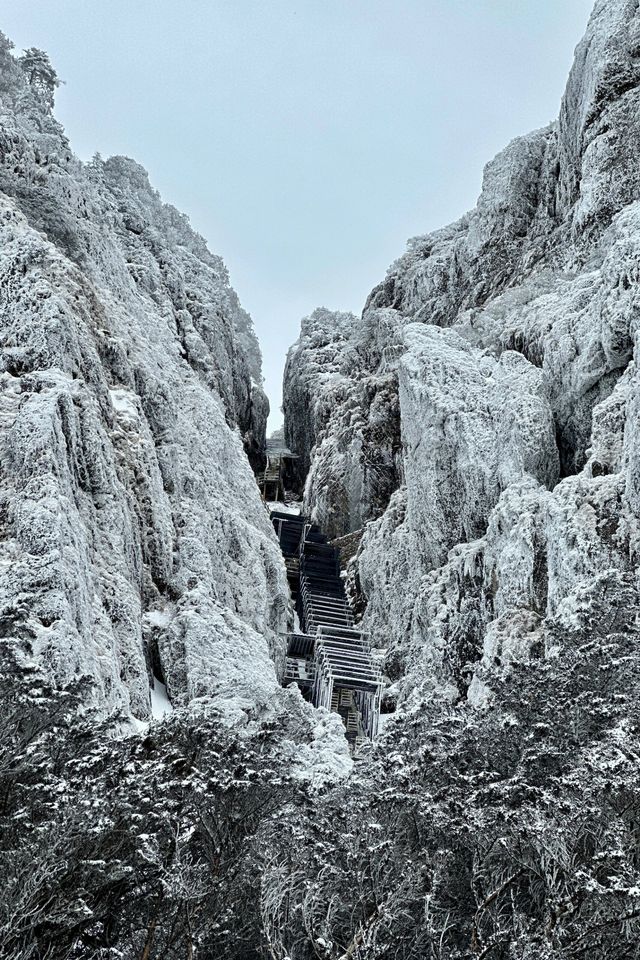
(133, 536)
(342, 419)
(479, 419)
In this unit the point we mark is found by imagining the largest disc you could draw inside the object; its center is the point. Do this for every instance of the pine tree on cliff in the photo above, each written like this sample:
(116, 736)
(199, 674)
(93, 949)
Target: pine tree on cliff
(41, 75)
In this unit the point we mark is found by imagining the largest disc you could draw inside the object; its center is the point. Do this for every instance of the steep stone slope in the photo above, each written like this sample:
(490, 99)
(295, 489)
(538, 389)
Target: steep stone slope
(492, 464)
(133, 537)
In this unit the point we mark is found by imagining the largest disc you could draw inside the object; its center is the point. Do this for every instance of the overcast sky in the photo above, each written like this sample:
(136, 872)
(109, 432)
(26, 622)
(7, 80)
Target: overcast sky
(306, 139)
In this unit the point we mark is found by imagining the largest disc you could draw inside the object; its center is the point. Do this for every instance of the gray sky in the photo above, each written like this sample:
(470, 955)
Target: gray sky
(306, 139)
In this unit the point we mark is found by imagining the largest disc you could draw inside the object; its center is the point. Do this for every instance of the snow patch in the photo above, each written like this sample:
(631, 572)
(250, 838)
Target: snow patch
(124, 403)
(289, 507)
(160, 703)
(158, 618)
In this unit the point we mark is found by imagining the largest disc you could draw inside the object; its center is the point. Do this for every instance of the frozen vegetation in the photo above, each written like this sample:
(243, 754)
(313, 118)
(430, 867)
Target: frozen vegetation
(472, 439)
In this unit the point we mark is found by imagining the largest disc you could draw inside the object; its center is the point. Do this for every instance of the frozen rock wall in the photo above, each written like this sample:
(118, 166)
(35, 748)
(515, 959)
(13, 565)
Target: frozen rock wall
(341, 420)
(491, 384)
(133, 538)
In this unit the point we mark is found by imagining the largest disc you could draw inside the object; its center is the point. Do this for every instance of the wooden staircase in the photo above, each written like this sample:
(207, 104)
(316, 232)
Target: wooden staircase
(330, 659)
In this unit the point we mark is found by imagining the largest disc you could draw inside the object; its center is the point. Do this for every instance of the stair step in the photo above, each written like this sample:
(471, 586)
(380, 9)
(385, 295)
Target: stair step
(328, 648)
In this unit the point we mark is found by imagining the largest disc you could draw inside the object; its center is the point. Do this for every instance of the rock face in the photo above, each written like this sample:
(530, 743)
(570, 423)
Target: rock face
(479, 419)
(472, 441)
(342, 420)
(133, 536)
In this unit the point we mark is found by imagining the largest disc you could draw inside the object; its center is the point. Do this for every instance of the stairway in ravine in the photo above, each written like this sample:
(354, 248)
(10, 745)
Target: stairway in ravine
(328, 657)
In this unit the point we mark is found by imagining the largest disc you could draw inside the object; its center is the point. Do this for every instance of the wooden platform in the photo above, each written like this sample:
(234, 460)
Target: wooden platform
(271, 479)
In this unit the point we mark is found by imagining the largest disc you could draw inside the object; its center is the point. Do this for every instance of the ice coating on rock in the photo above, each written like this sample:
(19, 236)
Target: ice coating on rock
(480, 422)
(133, 537)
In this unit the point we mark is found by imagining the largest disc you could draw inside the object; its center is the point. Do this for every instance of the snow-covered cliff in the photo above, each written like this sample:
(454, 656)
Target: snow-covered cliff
(133, 536)
(475, 432)
(479, 421)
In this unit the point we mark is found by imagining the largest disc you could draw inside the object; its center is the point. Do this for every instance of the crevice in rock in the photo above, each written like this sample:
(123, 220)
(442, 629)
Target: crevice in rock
(530, 350)
(154, 663)
(573, 437)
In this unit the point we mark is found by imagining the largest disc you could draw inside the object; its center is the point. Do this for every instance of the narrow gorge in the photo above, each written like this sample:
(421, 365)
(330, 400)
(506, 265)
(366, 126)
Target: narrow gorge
(469, 445)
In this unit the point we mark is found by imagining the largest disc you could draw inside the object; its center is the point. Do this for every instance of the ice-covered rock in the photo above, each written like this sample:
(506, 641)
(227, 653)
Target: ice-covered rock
(471, 426)
(133, 536)
(490, 388)
(341, 421)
